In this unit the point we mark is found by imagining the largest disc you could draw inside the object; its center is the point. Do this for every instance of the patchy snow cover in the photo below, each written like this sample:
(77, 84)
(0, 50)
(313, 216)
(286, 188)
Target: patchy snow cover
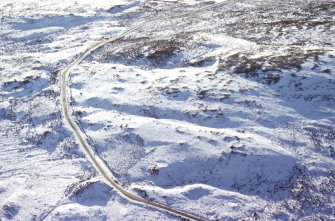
(228, 113)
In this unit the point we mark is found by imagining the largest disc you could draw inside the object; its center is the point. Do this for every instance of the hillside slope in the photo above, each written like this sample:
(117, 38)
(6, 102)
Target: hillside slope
(228, 113)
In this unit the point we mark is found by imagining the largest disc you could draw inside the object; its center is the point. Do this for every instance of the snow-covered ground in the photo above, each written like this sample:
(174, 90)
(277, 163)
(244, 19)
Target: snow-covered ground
(228, 113)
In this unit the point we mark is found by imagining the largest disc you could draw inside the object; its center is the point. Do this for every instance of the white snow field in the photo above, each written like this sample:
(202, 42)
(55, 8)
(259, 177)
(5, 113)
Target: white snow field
(227, 113)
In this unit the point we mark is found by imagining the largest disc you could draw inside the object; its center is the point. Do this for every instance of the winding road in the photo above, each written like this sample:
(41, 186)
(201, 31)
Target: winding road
(91, 155)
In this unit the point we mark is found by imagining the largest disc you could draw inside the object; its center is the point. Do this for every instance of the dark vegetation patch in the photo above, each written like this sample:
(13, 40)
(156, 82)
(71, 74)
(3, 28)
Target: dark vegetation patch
(153, 170)
(322, 137)
(313, 194)
(143, 51)
(271, 21)
(269, 68)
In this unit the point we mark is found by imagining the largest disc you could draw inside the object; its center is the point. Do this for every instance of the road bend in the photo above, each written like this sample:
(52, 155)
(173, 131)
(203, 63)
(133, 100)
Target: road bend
(89, 151)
